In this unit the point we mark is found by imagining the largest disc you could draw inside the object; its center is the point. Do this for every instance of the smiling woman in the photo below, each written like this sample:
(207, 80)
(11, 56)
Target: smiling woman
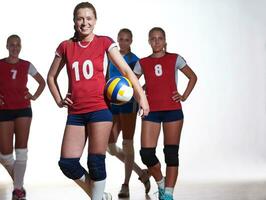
(88, 114)
(16, 113)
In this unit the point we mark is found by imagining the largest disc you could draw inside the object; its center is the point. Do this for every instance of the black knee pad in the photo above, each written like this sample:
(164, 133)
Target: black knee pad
(71, 168)
(171, 155)
(148, 156)
(96, 165)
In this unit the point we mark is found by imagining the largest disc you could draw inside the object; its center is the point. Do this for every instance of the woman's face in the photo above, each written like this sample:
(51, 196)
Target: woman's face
(14, 47)
(157, 41)
(85, 21)
(124, 40)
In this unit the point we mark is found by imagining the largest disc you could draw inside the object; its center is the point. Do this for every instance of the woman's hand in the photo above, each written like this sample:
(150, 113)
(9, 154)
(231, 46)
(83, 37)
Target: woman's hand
(66, 102)
(178, 97)
(29, 96)
(144, 108)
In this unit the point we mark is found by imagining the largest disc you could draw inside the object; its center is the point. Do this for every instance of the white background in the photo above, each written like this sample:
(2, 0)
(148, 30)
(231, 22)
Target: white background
(224, 42)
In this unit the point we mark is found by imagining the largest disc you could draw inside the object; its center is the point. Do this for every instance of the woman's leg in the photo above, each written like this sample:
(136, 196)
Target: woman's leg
(149, 136)
(73, 144)
(172, 133)
(128, 122)
(98, 133)
(22, 131)
(6, 146)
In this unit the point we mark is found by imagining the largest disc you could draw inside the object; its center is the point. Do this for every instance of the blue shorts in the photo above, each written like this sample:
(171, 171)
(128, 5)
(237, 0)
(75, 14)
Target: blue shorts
(130, 107)
(10, 115)
(85, 118)
(164, 116)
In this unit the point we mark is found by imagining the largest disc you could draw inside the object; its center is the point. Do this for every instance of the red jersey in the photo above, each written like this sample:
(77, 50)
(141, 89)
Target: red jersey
(161, 80)
(13, 84)
(86, 72)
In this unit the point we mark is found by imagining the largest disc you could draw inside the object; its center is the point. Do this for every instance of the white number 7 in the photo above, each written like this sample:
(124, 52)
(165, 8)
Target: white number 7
(14, 73)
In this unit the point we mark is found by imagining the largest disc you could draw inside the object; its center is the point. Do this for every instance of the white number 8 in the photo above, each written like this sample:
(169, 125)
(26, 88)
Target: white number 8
(158, 70)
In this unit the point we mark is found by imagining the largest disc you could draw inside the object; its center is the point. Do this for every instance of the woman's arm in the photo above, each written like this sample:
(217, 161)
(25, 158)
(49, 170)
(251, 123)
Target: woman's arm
(192, 77)
(125, 70)
(38, 77)
(57, 64)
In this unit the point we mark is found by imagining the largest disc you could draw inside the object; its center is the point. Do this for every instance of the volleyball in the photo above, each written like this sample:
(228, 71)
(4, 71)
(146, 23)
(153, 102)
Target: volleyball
(119, 90)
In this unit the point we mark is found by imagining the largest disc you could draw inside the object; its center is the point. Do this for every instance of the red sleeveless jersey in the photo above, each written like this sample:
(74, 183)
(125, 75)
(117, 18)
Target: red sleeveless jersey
(160, 80)
(13, 84)
(85, 69)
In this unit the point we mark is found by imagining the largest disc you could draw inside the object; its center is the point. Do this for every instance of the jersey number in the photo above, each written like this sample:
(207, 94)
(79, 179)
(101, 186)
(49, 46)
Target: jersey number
(14, 73)
(158, 70)
(87, 69)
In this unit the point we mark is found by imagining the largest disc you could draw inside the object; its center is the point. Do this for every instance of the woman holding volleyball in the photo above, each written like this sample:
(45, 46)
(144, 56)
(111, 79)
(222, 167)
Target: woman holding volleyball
(160, 72)
(16, 113)
(88, 114)
(124, 120)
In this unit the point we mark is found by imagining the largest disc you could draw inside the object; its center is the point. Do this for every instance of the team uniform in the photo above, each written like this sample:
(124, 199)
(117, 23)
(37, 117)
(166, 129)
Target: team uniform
(132, 105)
(86, 73)
(13, 88)
(161, 77)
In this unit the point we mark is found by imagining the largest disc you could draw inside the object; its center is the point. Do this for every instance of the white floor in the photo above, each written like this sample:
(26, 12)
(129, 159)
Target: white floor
(184, 191)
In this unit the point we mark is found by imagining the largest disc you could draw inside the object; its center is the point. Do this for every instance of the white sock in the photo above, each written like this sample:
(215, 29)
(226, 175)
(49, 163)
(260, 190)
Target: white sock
(161, 183)
(169, 190)
(20, 167)
(128, 150)
(97, 189)
(8, 162)
(85, 183)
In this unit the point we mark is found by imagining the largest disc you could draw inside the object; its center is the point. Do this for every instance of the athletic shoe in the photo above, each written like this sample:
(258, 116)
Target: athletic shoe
(107, 196)
(161, 193)
(145, 179)
(19, 194)
(168, 196)
(124, 192)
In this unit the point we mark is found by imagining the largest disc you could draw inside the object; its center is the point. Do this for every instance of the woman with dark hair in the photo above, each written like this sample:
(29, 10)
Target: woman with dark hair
(124, 120)
(88, 113)
(160, 71)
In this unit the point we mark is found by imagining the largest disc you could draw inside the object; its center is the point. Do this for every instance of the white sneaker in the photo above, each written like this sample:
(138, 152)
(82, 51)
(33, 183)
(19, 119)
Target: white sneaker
(107, 196)
(124, 192)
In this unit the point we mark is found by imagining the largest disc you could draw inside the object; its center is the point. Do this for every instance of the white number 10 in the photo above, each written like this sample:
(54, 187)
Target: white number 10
(87, 69)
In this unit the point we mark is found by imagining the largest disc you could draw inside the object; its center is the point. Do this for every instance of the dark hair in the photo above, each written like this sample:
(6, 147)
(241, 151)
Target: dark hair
(126, 30)
(157, 29)
(162, 31)
(11, 37)
(79, 6)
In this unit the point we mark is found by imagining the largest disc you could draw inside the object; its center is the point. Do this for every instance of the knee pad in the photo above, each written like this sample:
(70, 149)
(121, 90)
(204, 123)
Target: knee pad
(171, 155)
(128, 147)
(113, 149)
(21, 155)
(148, 156)
(71, 168)
(96, 165)
(7, 159)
